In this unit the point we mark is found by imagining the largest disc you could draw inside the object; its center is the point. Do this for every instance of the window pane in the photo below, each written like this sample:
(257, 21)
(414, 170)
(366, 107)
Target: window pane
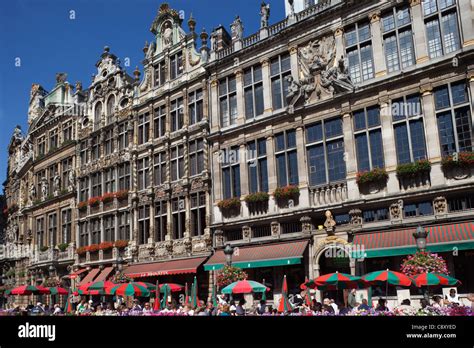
(446, 134)
(281, 170)
(362, 152)
(276, 94)
(316, 165)
(314, 132)
(441, 97)
(293, 167)
(359, 120)
(290, 139)
(336, 163)
(373, 116)
(259, 99)
(333, 127)
(417, 140)
(463, 128)
(434, 39)
(376, 148)
(459, 93)
(402, 144)
(249, 103)
(391, 53)
(450, 32)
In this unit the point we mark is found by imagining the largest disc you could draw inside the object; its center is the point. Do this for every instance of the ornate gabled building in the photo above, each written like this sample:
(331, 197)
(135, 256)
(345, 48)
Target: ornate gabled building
(318, 143)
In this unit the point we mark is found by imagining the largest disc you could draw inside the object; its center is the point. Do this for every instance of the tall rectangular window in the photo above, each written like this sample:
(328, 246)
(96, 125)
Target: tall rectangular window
(95, 147)
(159, 168)
(253, 91)
(96, 181)
(123, 225)
(68, 131)
(143, 128)
(66, 225)
(230, 172)
(109, 145)
(228, 101)
(257, 165)
(286, 158)
(95, 231)
(84, 152)
(178, 211)
(176, 65)
(325, 152)
(442, 29)
(196, 156)
(52, 229)
(41, 145)
(359, 52)
(122, 136)
(40, 232)
(161, 220)
(123, 176)
(409, 129)
(143, 224)
(454, 118)
(368, 139)
(195, 106)
(177, 117)
(160, 73)
(160, 121)
(83, 189)
(66, 167)
(109, 228)
(177, 162)
(280, 69)
(398, 39)
(142, 173)
(198, 213)
(83, 233)
(53, 139)
(110, 180)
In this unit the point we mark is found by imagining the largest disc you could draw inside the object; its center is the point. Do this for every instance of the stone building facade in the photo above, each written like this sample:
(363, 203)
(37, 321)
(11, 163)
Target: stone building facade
(342, 127)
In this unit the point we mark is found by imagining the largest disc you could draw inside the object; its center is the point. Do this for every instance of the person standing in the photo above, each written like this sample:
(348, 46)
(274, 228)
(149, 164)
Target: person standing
(351, 299)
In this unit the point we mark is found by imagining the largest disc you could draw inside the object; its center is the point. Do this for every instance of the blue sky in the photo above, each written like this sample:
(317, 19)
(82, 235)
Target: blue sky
(41, 34)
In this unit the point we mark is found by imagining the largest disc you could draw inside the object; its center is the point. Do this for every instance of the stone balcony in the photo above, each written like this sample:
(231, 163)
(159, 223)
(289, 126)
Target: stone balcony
(53, 255)
(329, 194)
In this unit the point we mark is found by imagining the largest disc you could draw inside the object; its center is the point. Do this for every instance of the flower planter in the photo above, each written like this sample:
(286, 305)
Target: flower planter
(121, 244)
(257, 202)
(283, 195)
(458, 166)
(372, 181)
(414, 175)
(230, 207)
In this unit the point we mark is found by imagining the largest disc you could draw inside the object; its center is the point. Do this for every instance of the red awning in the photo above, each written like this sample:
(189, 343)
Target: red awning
(75, 274)
(268, 255)
(164, 268)
(90, 277)
(104, 274)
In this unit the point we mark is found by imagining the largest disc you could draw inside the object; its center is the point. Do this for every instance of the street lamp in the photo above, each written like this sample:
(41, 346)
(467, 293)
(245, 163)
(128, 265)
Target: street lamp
(420, 236)
(228, 252)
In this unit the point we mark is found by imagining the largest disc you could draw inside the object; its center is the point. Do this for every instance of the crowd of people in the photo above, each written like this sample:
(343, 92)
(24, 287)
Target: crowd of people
(224, 305)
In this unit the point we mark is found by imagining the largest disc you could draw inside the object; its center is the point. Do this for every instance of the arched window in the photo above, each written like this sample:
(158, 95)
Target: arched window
(98, 112)
(110, 106)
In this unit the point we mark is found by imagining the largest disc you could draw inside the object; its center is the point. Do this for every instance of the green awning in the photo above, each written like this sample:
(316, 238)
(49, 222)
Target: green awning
(268, 255)
(442, 238)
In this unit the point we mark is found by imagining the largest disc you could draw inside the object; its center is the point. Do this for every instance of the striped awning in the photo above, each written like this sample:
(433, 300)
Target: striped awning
(104, 274)
(89, 277)
(164, 268)
(276, 254)
(75, 274)
(442, 238)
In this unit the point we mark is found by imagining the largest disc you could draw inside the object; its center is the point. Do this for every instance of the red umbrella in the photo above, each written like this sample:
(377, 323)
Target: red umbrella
(156, 305)
(101, 285)
(173, 287)
(56, 290)
(29, 290)
(336, 281)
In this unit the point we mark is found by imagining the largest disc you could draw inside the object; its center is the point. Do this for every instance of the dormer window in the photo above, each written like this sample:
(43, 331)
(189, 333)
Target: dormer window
(176, 65)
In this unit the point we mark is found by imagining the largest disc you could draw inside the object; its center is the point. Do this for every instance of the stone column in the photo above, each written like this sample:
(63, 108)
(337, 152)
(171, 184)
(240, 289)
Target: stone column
(214, 106)
(267, 87)
(244, 176)
(185, 107)
(466, 14)
(216, 177)
(419, 32)
(152, 122)
(301, 154)
(388, 140)
(239, 79)
(116, 227)
(377, 49)
(339, 42)
(350, 156)
(294, 62)
(272, 177)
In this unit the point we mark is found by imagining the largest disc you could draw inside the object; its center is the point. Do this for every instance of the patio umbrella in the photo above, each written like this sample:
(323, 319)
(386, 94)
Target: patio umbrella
(68, 306)
(194, 294)
(387, 277)
(166, 291)
(434, 279)
(29, 290)
(100, 285)
(336, 281)
(171, 287)
(156, 305)
(244, 287)
(56, 290)
(308, 283)
(214, 296)
(186, 294)
(285, 305)
(129, 289)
